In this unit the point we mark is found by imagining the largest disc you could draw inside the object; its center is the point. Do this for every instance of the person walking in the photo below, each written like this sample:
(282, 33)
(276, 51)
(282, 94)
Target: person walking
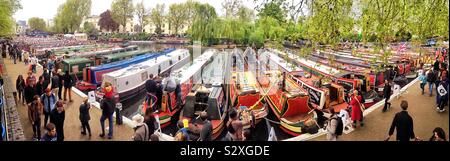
(49, 102)
(403, 123)
(26, 58)
(33, 63)
(85, 117)
(68, 83)
(387, 95)
(438, 135)
(423, 81)
(46, 75)
(357, 112)
(333, 129)
(107, 106)
(141, 131)
(40, 89)
(431, 79)
(30, 78)
(57, 117)
(443, 99)
(55, 84)
(34, 115)
(30, 91)
(60, 83)
(20, 87)
(51, 134)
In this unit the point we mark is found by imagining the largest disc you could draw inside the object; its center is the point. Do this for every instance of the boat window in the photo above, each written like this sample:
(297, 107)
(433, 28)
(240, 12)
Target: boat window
(170, 62)
(144, 76)
(179, 57)
(126, 83)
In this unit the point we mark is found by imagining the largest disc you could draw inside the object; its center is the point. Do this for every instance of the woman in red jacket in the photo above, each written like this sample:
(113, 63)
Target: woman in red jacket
(357, 114)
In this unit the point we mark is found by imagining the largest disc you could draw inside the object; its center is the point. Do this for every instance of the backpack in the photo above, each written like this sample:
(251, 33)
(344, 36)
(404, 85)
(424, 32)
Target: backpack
(339, 127)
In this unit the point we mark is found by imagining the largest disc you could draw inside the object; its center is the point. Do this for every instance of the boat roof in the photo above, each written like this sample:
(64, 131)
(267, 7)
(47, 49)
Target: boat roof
(152, 62)
(140, 58)
(125, 54)
(311, 64)
(76, 60)
(185, 73)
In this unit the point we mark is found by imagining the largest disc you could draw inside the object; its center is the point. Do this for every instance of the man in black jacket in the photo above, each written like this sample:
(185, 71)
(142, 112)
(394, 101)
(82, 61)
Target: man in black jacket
(150, 88)
(386, 94)
(207, 130)
(403, 123)
(30, 92)
(107, 113)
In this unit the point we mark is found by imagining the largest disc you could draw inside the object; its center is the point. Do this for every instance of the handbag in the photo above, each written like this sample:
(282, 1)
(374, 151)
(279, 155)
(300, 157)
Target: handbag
(363, 108)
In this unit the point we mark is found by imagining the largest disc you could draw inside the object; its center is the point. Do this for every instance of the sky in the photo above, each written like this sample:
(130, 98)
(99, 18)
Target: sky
(47, 9)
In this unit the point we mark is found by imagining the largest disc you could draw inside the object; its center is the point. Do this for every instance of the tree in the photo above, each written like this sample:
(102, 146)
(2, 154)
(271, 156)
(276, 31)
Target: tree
(330, 22)
(157, 17)
(245, 14)
(106, 22)
(190, 7)
(142, 14)
(89, 28)
(231, 7)
(7, 10)
(36, 23)
(177, 17)
(205, 28)
(71, 14)
(122, 11)
(426, 19)
(294, 8)
(274, 10)
(381, 19)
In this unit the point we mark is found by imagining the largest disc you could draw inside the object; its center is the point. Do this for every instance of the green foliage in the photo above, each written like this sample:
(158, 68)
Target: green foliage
(71, 14)
(142, 14)
(205, 25)
(7, 10)
(122, 11)
(36, 23)
(157, 17)
(330, 21)
(89, 28)
(273, 9)
(177, 17)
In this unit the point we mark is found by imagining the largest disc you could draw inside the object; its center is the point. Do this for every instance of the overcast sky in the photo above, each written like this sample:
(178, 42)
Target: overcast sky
(47, 9)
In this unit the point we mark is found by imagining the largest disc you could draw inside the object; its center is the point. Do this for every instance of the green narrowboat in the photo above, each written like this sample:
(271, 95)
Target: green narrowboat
(77, 65)
(119, 56)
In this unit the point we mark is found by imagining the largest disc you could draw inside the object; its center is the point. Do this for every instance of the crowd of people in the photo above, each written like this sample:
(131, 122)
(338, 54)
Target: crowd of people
(46, 96)
(437, 79)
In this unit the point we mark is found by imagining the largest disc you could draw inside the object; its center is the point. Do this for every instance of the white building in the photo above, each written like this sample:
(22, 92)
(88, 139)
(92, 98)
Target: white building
(21, 27)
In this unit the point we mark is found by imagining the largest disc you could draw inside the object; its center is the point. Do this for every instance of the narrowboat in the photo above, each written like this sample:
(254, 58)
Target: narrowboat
(244, 90)
(288, 101)
(212, 101)
(323, 92)
(92, 76)
(349, 80)
(188, 76)
(130, 81)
